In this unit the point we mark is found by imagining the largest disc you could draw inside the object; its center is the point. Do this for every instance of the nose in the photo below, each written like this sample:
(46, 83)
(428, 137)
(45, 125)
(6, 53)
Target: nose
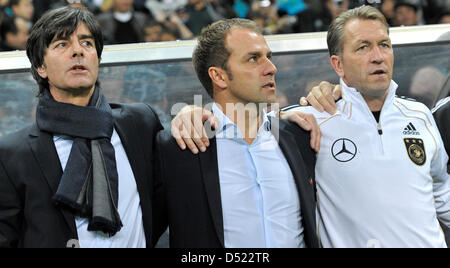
(377, 55)
(270, 69)
(77, 49)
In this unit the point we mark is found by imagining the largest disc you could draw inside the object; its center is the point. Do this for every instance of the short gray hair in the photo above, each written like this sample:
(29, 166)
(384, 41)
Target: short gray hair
(335, 35)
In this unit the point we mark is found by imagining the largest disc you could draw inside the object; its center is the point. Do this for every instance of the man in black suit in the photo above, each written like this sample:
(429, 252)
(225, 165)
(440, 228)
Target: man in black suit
(254, 186)
(82, 174)
(441, 114)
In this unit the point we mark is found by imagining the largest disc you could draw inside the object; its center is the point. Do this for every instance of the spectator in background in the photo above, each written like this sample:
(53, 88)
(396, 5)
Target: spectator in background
(444, 17)
(161, 9)
(159, 32)
(241, 8)
(3, 4)
(2, 14)
(23, 9)
(431, 10)
(265, 14)
(387, 8)
(291, 7)
(14, 33)
(170, 29)
(76, 3)
(405, 14)
(153, 31)
(197, 16)
(313, 20)
(221, 9)
(122, 24)
(40, 7)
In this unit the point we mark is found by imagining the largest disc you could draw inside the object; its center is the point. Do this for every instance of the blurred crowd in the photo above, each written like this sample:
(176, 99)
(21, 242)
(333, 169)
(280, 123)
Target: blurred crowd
(128, 21)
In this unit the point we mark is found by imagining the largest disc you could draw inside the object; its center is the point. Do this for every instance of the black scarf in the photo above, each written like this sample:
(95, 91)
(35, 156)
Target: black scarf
(89, 185)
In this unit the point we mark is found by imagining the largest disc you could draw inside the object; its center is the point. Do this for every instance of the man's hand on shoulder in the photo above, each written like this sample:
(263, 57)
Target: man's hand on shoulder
(307, 122)
(323, 97)
(188, 130)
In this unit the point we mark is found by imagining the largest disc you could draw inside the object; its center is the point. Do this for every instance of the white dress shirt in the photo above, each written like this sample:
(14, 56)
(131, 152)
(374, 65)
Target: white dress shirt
(132, 233)
(260, 202)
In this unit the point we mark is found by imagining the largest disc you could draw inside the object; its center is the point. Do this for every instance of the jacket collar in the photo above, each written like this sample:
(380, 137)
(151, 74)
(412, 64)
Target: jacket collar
(210, 174)
(352, 95)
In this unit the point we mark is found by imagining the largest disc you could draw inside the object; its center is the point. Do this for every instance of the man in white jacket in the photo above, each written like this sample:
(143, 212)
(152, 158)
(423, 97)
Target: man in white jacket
(381, 171)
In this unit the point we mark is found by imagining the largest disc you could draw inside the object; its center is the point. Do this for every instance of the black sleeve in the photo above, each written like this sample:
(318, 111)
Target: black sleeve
(160, 217)
(10, 211)
(442, 117)
(303, 138)
(159, 214)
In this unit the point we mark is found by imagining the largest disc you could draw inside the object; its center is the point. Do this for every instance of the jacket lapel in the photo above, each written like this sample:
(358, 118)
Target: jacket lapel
(126, 128)
(210, 175)
(294, 158)
(44, 151)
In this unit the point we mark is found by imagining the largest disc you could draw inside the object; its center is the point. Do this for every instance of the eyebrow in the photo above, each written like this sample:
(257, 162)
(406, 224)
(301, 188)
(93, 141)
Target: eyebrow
(66, 38)
(258, 53)
(368, 42)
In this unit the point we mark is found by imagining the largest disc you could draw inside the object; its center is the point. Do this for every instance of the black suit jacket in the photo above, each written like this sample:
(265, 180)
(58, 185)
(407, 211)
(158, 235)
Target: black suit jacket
(442, 117)
(30, 172)
(192, 189)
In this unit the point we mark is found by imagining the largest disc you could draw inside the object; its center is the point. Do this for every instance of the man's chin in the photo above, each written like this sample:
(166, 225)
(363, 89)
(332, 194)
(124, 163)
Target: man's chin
(80, 90)
(375, 92)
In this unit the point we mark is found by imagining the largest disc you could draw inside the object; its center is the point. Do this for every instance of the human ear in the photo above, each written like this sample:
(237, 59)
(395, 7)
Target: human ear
(42, 71)
(336, 63)
(218, 76)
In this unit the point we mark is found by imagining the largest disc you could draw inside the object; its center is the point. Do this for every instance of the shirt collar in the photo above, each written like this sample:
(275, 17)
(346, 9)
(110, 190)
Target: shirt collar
(229, 130)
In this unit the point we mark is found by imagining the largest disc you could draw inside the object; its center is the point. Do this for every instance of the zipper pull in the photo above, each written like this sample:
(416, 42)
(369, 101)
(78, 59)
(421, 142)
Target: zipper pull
(380, 131)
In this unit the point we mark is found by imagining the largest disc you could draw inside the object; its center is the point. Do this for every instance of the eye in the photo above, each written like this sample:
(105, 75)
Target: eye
(87, 43)
(60, 44)
(252, 59)
(361, 48)
(385, 45)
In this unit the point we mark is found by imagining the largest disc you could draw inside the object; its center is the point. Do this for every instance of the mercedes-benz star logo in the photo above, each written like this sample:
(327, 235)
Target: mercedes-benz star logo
(343, 150)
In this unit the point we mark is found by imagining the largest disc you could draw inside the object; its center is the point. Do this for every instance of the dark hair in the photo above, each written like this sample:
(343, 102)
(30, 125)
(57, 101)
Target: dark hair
(13, 3)
(211, 50)
(60, 23)
(8, 25)
(406, 4)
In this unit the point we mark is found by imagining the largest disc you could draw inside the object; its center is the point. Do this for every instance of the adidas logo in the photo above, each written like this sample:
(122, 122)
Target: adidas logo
(410, 129)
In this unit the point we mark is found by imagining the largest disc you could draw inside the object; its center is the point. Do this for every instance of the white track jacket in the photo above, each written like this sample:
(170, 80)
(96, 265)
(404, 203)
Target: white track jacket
(381, 184)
